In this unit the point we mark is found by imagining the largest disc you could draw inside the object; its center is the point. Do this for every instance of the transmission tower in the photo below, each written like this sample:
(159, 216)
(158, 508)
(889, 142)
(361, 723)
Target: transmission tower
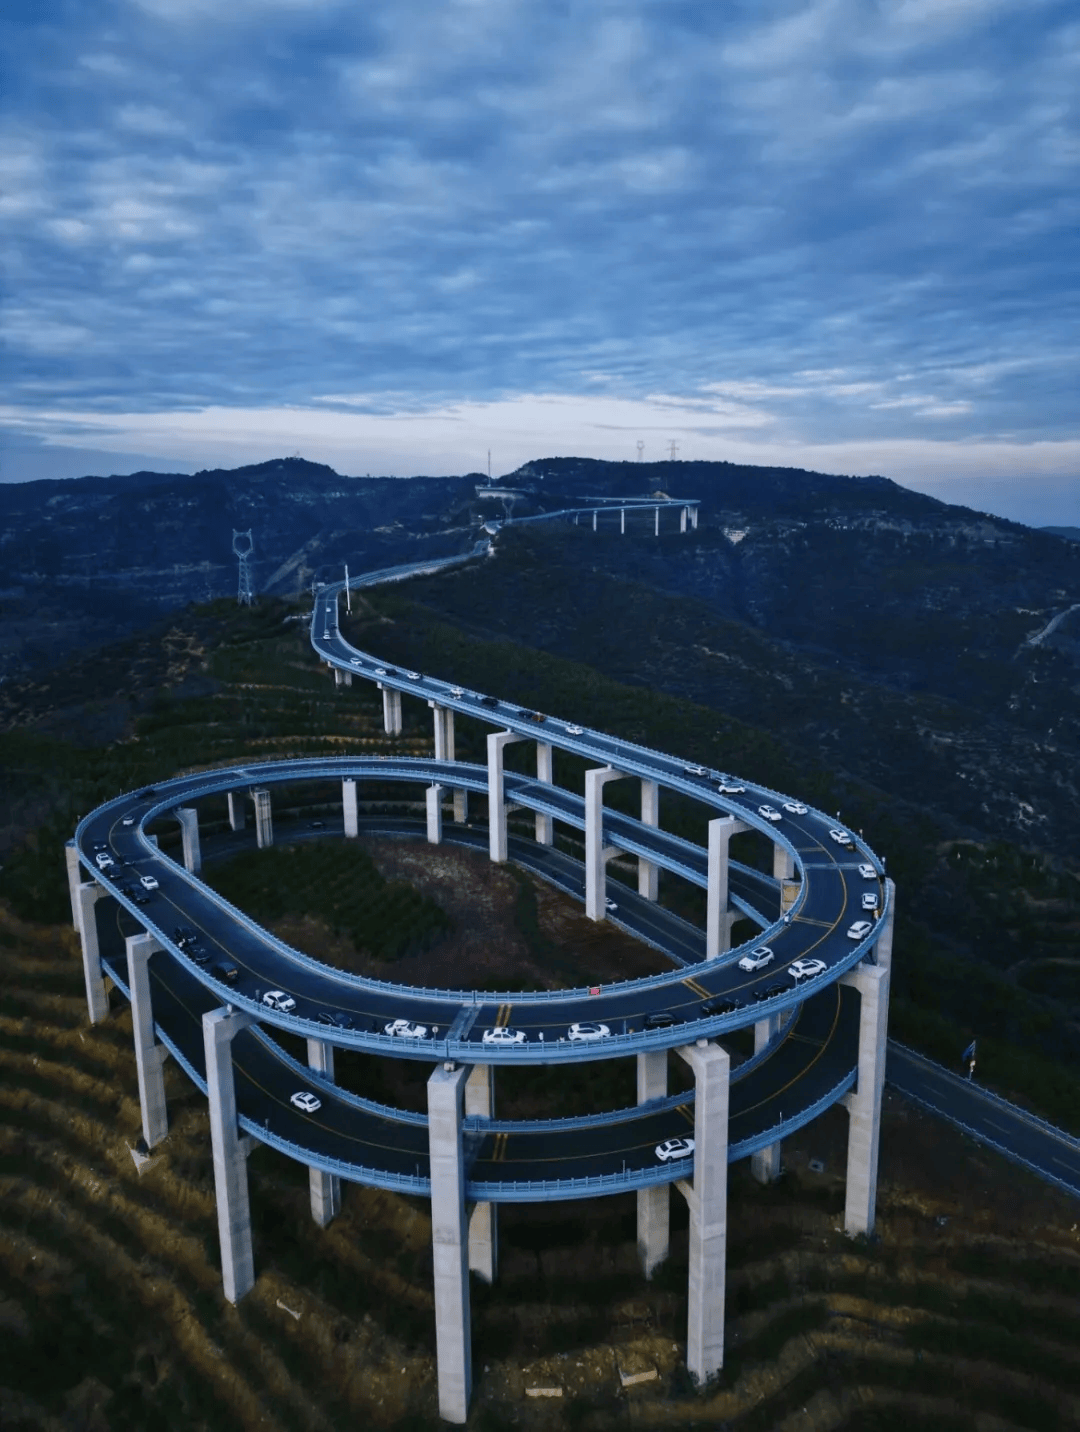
(674, 446)
(244, 595)
(640, 448)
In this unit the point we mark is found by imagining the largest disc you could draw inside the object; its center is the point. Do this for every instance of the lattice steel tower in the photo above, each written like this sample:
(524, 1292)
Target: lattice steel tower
(244, 595)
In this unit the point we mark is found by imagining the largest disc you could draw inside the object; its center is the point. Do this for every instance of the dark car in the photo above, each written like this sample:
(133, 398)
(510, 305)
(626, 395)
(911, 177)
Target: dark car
(183, 934)
(140, 897)
(722, 1004)
(770, 989)
(196, 953)
(660, 1019)
(225, 971)
(336, 1020)
(146, 791)
(489, 701)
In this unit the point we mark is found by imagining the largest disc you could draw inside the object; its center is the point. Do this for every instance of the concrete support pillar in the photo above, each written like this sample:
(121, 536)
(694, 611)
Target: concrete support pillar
(497, 743)
(149, 1055)
(264, 820)
(720, 917)
(391, 710)
(864, 1102)
(461, 806)
(444, 731)
(434, 814)
(622, 520)
(449, 1236)
(693, 518)
(325, 1187)
(484, 1218)
(236, 810)
(188, 817)
(545, 825)
(594, 516)
(339, 676)
(220, 1026)
(648, 873)
(765, 1164)
(682, 519)
(596, 853)
(783, 863)
(97, 997)
(74, 875)
(349, 807)
(653, 1204)
(707, 1198)
(656, 522)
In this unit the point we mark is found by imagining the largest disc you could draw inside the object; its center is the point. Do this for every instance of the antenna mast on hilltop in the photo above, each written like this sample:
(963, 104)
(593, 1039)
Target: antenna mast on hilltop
(640, 448)
(489, 467)
(244, 595)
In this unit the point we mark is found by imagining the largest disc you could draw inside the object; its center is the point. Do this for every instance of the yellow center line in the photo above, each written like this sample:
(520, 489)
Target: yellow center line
(685, 1111)
(802, 1072)
(700, 989)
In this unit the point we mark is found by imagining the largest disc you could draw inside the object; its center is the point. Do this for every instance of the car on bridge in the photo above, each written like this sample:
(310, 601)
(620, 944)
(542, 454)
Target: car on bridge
(777, 987)
(695, 770)
(103, 860)
(867, 872)
(587, 1030)
(306, 1102)
(405, 1029)
(674, 1149)
(279, 1000)
(795, 808)
(148, 882)
(128, 820)
(719, 1004)
(860, 930)
(225, 971)
(457, 692)
(572, 730)
(769, 812)
(805, 969)
(757, 958)
(336, 1019)
(503, 1036)
(870, 900)
(842, 837)
(729, 787)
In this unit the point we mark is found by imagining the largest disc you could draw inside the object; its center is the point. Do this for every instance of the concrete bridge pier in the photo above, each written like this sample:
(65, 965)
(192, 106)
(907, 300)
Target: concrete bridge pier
(706, 1196)
(545, 825)
(863, 1103)
(445, 751)
(391, 710)
(97, 996)
(264, 821)
(648, 873)
(484, 1218)
(656, 522)
(622, 520)
(325, 1187)
(188, 817)
(498, 809)
(342, 678)
(220, 1027)
(349, 807)
(596, 853)
(653, 1204)
(720, 916)
(149, 1055)
(450, 1241)
(236, 810)
(765, 1164)
(594, 516)
(693, 518)
(74, 875)
(433, 799)
(783, 864)
(682, 519)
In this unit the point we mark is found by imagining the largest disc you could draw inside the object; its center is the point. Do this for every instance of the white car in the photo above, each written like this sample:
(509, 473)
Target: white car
(457, 692)
(413, 675)
(795, 808)
(573, 730)
(757, 959)
(869, 900)
(860, 930)
(805, 969)
(355, 660)
(326, 636)
(587, 1030)
(103, 860)
(609, 903)
(728, 787)
(404, 1030)
(867, 872)
(769, 812)
(695, 770)
(128, 820)
(380, 671)
(674, 1149)
(148, 882)
(841, 837)
(279, 1000)
(306, 1102)
(503, 1036)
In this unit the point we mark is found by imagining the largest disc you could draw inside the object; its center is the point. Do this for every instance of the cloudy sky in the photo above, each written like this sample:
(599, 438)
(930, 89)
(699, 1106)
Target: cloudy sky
(393, 236)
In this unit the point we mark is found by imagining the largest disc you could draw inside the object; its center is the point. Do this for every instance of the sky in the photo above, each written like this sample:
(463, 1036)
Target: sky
(396, 236)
